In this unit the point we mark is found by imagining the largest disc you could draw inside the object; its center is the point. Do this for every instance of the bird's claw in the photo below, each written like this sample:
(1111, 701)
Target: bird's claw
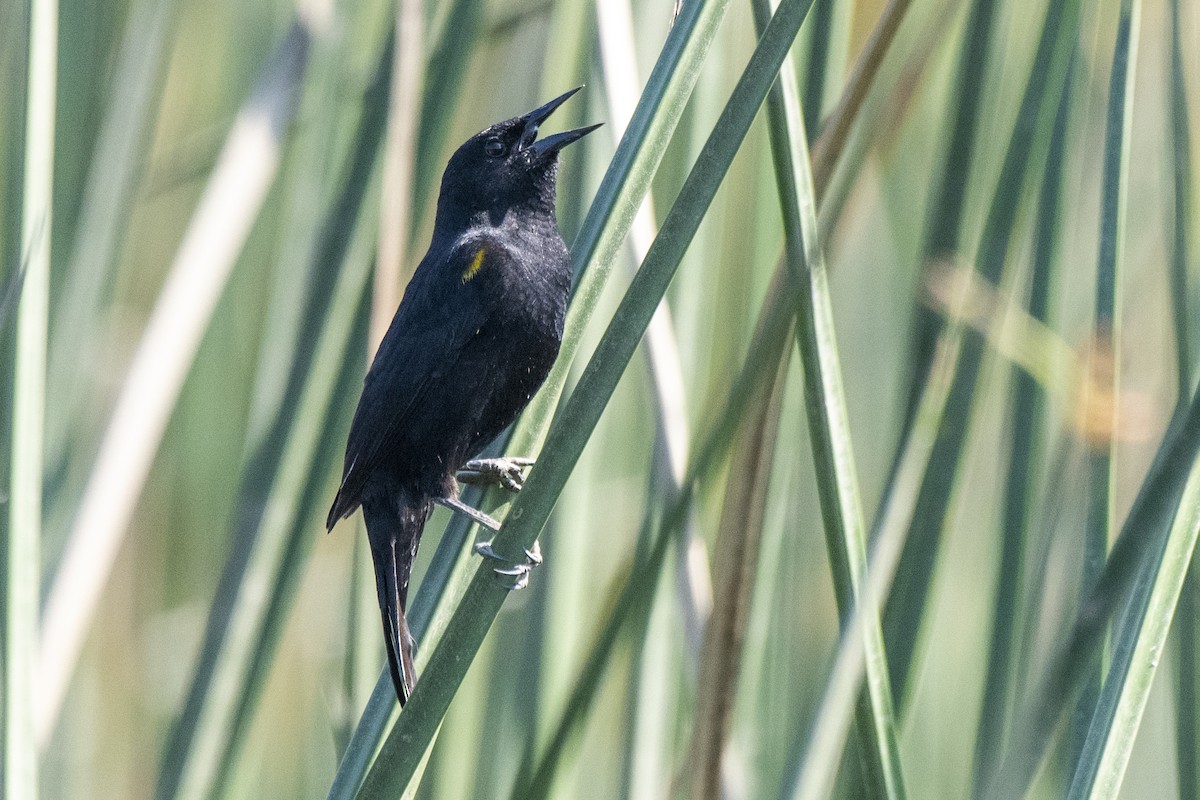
(506, 472)
(517, 571)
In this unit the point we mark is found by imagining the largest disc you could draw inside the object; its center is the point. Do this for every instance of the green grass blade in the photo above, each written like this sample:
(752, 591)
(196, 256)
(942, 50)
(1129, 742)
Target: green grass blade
(835, 140)
(828, 30)
(408, 740)
(768, 340)
(568, 598)
(1020, 487)
(647, 747)
(1181, 159)
(1186, 738)
(1187, 718)
(820, 750)
(815, 61)
(771, 334)
(114, 174)
(828, 422)
(629, 615)
(22, 560)
(651, 703)
(735, 557)
(1140, 640)
(1086, 738)
(221, 223)
(1126, 582)
(944, 224)
(905, 607)
(10, 295)
(245, 624)
(364, 742)
(14, 57)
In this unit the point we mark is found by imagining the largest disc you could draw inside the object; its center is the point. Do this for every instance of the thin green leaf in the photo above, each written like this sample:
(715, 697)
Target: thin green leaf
(568, 598)
(828, 422)
(1181, 159)
(820, 750)
(905, 607)
(767, 343)
(1187, 719)
(823, 42)
(1088, 730)
(22, 559)
(218, 229)
(114, 174)
(648, 748)
(771, 332)
(735, 555)
(1021, 481)
(944, 224)
(1125, 583)
(1135, 662)
(10, 295)
(835, 138)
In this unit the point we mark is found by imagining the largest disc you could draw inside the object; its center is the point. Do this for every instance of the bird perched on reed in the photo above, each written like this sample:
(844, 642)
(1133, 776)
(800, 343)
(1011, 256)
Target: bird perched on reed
(474, 337)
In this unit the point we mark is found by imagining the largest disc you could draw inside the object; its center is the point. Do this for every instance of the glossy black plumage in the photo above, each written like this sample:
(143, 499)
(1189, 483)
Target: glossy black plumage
(475, 335)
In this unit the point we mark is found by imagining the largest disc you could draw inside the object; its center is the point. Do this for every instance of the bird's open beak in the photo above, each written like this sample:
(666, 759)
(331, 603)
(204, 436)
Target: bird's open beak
(556, 142)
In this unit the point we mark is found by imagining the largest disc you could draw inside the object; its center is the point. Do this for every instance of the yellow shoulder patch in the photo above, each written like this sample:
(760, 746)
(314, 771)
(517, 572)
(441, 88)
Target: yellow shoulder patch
(473, 268)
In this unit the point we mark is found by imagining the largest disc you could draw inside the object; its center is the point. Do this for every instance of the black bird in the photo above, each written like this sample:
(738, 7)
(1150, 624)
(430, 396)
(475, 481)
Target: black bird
(476, 333)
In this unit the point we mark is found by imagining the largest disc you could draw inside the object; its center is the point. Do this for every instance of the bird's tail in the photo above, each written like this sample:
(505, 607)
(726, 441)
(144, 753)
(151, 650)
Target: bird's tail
(394, 538)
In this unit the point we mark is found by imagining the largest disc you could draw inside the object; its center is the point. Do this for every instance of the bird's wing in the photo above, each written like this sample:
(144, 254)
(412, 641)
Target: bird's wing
(443, 307)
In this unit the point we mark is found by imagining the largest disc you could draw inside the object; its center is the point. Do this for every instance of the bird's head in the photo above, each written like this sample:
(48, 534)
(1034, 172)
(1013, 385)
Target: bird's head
(505, 166)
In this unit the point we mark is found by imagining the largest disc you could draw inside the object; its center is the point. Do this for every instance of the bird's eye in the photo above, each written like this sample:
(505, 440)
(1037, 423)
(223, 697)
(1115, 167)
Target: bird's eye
(494, 147)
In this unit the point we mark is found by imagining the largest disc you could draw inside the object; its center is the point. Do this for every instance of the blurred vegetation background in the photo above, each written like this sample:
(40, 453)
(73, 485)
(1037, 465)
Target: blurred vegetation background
(999, 221)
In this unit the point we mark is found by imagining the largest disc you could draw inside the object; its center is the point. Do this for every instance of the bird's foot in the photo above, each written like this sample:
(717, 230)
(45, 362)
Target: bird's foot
(507, 472)
(516, 573)
(454, 504)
